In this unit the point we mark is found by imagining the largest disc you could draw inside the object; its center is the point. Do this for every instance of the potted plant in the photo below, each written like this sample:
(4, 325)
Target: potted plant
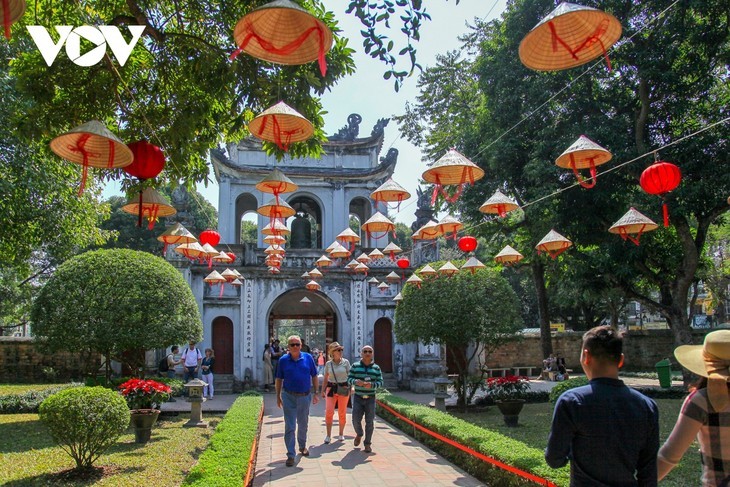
(507, 394)
(144, 398)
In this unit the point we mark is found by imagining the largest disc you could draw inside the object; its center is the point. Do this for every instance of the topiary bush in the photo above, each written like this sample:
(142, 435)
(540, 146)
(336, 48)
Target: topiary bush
(561, 387)
(85, 421)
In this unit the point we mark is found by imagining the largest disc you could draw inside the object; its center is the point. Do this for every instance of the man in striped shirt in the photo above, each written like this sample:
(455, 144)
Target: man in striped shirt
(365, 375)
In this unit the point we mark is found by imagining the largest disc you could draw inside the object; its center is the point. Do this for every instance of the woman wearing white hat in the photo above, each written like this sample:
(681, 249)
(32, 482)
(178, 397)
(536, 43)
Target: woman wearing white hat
(705, 414)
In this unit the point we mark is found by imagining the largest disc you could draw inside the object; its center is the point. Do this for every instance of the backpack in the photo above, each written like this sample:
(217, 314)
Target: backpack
(163, 367)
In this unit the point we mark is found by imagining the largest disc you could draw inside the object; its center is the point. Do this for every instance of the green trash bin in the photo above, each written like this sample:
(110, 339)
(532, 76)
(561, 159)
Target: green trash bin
(664, 370)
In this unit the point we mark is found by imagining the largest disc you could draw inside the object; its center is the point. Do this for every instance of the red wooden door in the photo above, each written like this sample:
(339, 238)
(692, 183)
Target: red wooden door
(383, 345)
(223, 345)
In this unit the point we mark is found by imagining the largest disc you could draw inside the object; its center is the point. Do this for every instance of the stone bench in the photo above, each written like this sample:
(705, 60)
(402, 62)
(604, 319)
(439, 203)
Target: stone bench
(528, 370)
(498, 372)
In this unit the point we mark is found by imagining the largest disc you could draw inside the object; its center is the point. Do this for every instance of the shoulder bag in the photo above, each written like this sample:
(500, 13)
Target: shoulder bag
(339, 389)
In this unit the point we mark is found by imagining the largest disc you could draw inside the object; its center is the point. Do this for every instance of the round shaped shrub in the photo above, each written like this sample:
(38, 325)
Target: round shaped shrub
(561, 387)
(85, 421)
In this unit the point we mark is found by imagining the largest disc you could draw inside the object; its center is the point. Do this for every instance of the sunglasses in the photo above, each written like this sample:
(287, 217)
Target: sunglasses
(295, 344)
(367, 351)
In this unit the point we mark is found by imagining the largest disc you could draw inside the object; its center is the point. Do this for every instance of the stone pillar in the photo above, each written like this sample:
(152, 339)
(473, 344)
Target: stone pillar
(427, 368)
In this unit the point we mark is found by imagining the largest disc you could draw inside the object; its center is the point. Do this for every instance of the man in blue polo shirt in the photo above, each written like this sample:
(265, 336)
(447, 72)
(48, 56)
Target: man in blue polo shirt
(296, 377)
(608, 432)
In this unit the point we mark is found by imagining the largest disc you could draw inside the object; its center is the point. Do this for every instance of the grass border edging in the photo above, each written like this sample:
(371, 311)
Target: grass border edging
(486, 442)
(224, 461)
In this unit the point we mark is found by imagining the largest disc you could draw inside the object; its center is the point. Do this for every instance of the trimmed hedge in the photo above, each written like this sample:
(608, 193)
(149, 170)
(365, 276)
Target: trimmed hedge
(225, 461)
(175, 384)
(28, 402)
(493, 444)
(561, 387)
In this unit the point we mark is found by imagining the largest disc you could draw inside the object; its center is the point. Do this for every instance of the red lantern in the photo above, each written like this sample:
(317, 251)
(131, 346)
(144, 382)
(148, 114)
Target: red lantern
(659, 179)
(149, 160)
(403, 263)
(468, 244)
(209, 237)
(232, 256)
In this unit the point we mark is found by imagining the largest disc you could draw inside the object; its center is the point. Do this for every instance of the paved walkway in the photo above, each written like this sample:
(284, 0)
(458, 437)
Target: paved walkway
(396, 460)
(221, 403)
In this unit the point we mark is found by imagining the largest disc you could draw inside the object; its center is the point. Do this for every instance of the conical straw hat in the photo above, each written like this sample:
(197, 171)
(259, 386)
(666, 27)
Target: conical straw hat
(237, 282)
(352, 264)
(571, 35)
(209, 250)
(378, 223)
(414, 279)
(361, 267)
(275, 228)
(453, 168)
(633, 223)
(338, 251)
(398, 298)
(473, 264)
(391, 248)
(315, 274)
(282, 32)
(392, 277)
(276, 209)
(553, 242)
(376, 254)
(275, 270)
(373, 280)
(583, 151)
(282, 125)
(364, 258)
(332, 246)
(390, 191)
(429, 231)
(274, 240)
(276, 182)
(384, 285)
(449, 224)
(348, 235)
(238, 274)
(448, 269)
(305, 275)
(214, 277)
(16, 9)
(223, 257)
(229, 275)
(92, 144)
(323, 261)
(508, 255)
(499, 204)
(313, 286)
(427, 271)
(154, 205)
(274, 249)
(305, 301)
(191, 250)
(177, 234)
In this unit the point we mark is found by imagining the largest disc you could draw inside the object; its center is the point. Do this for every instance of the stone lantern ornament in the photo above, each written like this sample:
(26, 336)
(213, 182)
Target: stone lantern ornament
(195, 397)
(441, 392)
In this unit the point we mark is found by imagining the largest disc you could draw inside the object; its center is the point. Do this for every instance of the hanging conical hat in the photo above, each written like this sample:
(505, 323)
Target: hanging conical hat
(282, 32)
(223, 257)
(361, 267)
(392, 277)
(414, 279)
(323, 261)
(448, 269)
(427, 271)
(449, 224)
(376, 254)
(392, 249)
(364, 258)
(348, 235)
(177, 234)
(209, 250)
(92, 144)
(390, 191)
(338, 251)
(191, 250)
(398, 298)
(15, 10)
(313, 286)
(553, 243)
(274, 270)
(237, 282)
(305, 301)
(306, 276)
(373, 280)
(499, 204)
(238, 274)
(570, 35)
(473, 264)
(274, 249)
(315, 274)
(384, 285)
(508, 255)
(276, 183)
(229, 275)
(352, 264)
(276, 209)
(378, 223)
(214, 277)
(582, 152)
(274, 240)
(153, 203)
(275, 228)
(332, 246)
(282, 125)
(633, 223)
(429, 231)
(453, 168)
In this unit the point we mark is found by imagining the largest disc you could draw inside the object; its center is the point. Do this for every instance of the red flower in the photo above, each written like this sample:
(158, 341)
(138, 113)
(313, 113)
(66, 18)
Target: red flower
(144, 394)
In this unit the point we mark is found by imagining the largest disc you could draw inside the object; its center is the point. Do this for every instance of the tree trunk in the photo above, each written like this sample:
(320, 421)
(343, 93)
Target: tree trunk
(538, 274)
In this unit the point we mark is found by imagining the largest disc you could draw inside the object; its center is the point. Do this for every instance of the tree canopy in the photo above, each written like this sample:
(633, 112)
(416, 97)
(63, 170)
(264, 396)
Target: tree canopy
(115, 301)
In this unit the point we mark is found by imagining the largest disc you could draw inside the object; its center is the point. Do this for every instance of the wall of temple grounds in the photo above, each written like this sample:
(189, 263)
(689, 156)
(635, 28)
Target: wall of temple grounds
(642, 350)
(21, 362)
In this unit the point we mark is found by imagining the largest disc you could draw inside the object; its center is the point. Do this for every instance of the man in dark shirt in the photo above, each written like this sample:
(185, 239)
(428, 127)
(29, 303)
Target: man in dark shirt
(608, 432)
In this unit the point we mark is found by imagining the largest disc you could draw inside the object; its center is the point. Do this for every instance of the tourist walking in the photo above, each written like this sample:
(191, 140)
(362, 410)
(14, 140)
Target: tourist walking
(207, 368)
(268, 367)
(705, 413)
(171, 362)
(296, 377)
(276, 354)
(366, 376)
(191, 358)
(336, 389)
(607, 431)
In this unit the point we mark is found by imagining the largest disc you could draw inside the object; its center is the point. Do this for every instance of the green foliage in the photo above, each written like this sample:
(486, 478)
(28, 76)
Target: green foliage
(566, 385)
(85, 421)
(249, 232)
(225, 460)
(29, 401)
(403, 236)
(496, 445)
(111, 301)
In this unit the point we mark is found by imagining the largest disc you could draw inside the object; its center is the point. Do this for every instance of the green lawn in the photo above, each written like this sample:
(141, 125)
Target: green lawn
(6, 389)
(535, 424)
(29, 456)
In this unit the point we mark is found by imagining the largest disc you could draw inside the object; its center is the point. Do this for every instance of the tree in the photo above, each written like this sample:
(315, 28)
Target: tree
(249, 232)
(115, 301)
(476, 313)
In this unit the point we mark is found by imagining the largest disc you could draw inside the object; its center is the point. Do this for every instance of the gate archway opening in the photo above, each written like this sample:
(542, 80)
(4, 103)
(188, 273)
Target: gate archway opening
(314, 322)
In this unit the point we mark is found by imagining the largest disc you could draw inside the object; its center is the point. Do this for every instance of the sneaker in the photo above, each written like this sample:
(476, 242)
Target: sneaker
(357, 440)
(368, 449)
(304, 451)
(341, 437)
(289, 461)
(327, 439)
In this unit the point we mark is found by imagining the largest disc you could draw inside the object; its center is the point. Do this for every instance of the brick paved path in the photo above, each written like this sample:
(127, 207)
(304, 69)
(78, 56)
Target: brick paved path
(397, 460)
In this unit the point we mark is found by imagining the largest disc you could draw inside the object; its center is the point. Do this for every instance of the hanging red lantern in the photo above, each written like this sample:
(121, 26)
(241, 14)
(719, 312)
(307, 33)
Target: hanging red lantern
(659, 179)
(149, 160)
(210, 237)
(403, 263)
(468, 244)
(232, 256)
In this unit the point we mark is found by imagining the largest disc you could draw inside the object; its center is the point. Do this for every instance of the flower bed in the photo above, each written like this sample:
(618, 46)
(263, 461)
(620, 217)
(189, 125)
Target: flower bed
(144, 394)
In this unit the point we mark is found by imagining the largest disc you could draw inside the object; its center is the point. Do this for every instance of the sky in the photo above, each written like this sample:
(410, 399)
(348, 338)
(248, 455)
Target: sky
(368, 94)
